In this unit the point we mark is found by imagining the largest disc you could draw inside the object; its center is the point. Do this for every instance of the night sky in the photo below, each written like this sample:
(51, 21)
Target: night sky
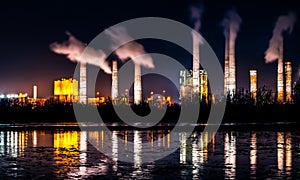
(27, 29)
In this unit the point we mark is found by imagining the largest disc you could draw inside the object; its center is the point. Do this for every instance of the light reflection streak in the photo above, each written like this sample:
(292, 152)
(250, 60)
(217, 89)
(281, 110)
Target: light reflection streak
(114, 154)
(182, 148)
(253, 154)
(230, 156)
(137, 149)
(280, 150)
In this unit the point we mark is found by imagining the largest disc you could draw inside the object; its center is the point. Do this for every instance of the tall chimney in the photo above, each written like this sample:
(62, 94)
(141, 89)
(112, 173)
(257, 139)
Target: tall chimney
(253, 83)
(288, 81)
(232, 76)
(196, 63)
(114, 86)
(137, 84)
(280, 78)
(226, 66)
(82, 84)
(34, 92)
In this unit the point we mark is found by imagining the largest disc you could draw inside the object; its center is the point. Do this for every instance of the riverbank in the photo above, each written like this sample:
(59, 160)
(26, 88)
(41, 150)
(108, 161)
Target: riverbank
(234, 113)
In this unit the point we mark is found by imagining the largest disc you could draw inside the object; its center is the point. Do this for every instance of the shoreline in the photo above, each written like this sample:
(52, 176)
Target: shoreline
(65, 126)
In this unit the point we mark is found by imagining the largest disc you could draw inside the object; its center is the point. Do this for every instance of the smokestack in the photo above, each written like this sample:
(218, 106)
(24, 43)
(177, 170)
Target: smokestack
(280, 78)
(288, 81)
(226, 65)
(253, 83)
(231, 24)
(137, 84)
(114, 86)
(196, 64)
(82, 84)
(195, 16)
(231, 65)
(34, 92)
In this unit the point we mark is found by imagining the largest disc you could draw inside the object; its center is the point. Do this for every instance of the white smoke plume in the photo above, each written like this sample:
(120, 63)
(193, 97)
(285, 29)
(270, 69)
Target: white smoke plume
(196, 15)
(231, 24)
(284, 23)
(74, 48)
(131, 49)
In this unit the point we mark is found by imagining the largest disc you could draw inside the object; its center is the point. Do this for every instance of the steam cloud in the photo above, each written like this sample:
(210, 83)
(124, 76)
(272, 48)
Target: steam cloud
(196, 14)
(131, 49)
(284, 23)
(231, 24)
(74, 48)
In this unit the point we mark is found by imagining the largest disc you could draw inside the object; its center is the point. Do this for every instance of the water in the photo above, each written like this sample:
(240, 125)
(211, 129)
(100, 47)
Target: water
(59, 154)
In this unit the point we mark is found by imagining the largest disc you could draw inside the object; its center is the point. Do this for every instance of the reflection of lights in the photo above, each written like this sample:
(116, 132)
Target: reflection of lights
(213, 142)
(114, 154)
(34, 139)
(280, 150)
(83, 149)
(288, 155)
(183, 148)
(2, 142)
(253, 153)
(137, 149)
(230, 156)
(169, 138)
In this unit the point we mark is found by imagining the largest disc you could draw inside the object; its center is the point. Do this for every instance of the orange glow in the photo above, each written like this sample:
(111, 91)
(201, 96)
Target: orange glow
(66, 90)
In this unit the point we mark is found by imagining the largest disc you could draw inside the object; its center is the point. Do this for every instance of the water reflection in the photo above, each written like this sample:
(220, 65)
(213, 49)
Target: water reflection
(230, 155)
(68, 155)
(284, 153)
(253, 155)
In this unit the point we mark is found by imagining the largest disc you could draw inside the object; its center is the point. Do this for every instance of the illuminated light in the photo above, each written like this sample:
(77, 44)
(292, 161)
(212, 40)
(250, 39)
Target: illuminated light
(253, 83)
(66, 90)
(288, 81)
(186, 85)
(2, 96)
(34, 92)
(34, 139)
(203, 85)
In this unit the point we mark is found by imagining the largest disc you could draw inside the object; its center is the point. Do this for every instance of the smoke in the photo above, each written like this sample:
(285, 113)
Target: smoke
(231, 24)
(196, 12)
(284, 23)
(131, 49)
(74, 48)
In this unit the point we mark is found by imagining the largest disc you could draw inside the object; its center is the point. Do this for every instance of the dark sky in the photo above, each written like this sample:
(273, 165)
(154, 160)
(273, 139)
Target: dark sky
(27, 29)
